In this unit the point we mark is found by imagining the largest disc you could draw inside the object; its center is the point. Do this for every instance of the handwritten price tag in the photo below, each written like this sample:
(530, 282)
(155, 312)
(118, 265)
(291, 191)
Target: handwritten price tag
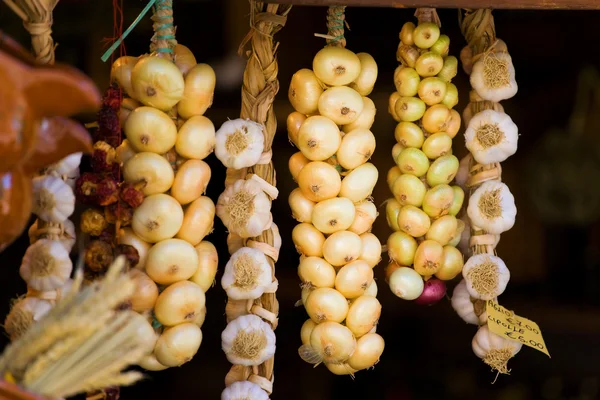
(506, 323)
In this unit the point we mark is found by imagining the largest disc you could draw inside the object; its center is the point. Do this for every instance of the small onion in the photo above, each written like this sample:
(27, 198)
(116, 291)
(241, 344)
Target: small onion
(453, 125)
(319, 181)
(308, 240)
(450, 100)
(120, 72)
(333, 215)
(452, 263)
(296, 162)
(429, 64)
(442, 229)
(145, 294)
(392, 209)
(410, 109)
(302, 208)
(442, 170)
(353, 279)
(372, 289)
(406, 81)
(333, 342)
(363, 315)
(359, 183)
(356, 148)
(409, 190)
(392, 175)
(407, 55)
(433, 291)
(394, 97)
(150, 169)
(396, 150)
(306, 331)
(178, 344)
(365, 81)
(413, 220)
(190, 181)
(200, 81)
(449, 69)
(208, 262)
(368, 351)
(326, 304)
(340, 369)
(196, 138)
(413, 161)
(406, 283)
(408, 134)
(406, 33)
(432, 90)
(436, 118)
(341, 104)
(198, 220)
(157, 82)
(316, 272)
(457, 203)
(178, 303)
(428, 257)
(426, 34)
(319, 138)
(159, 217)
(336, 66)
(389, 270)
(342, 248)
(441, 46)
(437, 145)
(171, 260)
(401, 248)
(365, 214)
(438, 200)
(150, 363)
(366, 118)
(149, 129)
(304, 92)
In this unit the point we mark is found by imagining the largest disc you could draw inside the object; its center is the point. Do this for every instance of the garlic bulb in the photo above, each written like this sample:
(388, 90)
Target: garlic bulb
(247, 274)
(486, 276)
(244, 208)
(492, 207)
(46, 265)
(23, 314)
(243, 390)
(68, 166)
(239, 143)
(64, 233)
(491, 137)
(493, 349)
(248, 340)
(53, 199)
(470, 310)
(493, 77)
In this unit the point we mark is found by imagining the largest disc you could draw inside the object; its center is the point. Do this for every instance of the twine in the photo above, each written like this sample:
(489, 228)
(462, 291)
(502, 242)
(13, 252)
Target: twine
(336, 18)
(163, 41)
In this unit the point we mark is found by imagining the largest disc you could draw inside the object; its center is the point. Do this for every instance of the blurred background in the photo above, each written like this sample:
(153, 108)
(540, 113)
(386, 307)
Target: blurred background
(553, 251)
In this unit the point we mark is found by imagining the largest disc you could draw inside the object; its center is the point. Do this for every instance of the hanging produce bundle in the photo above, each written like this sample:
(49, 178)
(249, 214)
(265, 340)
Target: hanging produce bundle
(243, 145)
(157, 215)
(423, 212)
(491, 137)
(331, 129)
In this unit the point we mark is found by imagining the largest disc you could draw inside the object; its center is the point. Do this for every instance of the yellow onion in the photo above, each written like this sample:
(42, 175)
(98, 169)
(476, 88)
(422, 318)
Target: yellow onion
(410, 108)
(302, 208)
(389, 270)
(436, 118)
(413, 161)
(449, 69)
(149, 129)
(365, 119)
(406, 33)
(304, 92)
(294, 122)
(178, 344)
(333, 342)
(442, 170)
(159, 217)
(407, 55)
(406, 81)
(178, 303)
(356, 148)
(120, 72)
(363, 315)
(442, 230)
(124, 152)
(401, 248)
(413, 220)
(184, 58)
(171, 260)
(365, 82)
(432, 90)
(441, 46)
(371, 249)
(128, 236)
(409, 190)
(426, 34)
(208, 262)
(316, 272)
(150, 363)
(145, 294)
(296, 162)
(438, 200)
(406, 283)
(190, 181)
(127, 106)
(319, 181)
(408, 134)
(308, 240)
(429, 64)
(200, 317)
(196, 138)
(326, 304)
(198, 92)
(365, 214)
(372, 289)
(392, 209)
(306, 291)
(396, 150)
(340, 369)
(318, 138)
(336, 66)
(452, 264)
(453, 125)
(437, 145)
(157, 83)
(393, 174)
(393, 100)
(306, 331)
(459, 197)
(198, 220)
(341, 104)
(368, 351)
(353, 279)
(451, 98)
(342, 248)
(428, 257)
(359, 183)
(333, 215)
(151, 170)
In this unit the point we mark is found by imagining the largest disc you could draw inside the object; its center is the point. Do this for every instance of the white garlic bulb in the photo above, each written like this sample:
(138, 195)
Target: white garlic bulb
(46, 265)
(244, 208)
(53, 199)
(486, 276)
(239, 143)
(68, 166)
(64, 233)
(23, 314)
(493, 349)
(493, 77)
(247, 274)
(492, 207)
(244, 390)
(470, 310)
(491, 137)
(248, 340)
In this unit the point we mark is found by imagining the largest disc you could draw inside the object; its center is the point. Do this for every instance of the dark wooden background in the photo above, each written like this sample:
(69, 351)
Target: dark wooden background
(555, 268)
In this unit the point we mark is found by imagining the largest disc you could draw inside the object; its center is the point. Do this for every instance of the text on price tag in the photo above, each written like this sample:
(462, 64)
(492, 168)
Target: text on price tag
(507, 324)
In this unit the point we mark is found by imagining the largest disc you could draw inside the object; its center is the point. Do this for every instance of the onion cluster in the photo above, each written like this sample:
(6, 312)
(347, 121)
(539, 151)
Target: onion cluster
(331, 129)
(168, 137)
(423, 212)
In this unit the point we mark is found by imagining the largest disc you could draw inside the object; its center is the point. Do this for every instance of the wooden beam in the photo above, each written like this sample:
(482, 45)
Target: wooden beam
(495, 4)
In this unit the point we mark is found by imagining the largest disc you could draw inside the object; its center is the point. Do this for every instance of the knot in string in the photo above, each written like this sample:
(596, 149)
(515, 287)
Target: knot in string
(336, 20)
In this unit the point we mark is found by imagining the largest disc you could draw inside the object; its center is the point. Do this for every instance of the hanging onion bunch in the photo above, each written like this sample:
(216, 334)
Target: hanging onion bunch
(162, 162)
(491, 137)
(331, 127)
(426, 204)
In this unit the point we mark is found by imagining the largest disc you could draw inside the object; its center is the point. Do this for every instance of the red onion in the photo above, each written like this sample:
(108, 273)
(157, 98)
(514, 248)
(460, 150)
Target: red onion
(433, 292)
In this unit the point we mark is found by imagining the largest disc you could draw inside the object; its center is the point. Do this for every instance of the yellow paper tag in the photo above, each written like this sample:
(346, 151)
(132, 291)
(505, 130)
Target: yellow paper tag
(507, 324)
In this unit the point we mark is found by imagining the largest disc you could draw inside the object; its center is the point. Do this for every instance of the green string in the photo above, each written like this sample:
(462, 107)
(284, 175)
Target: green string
(340, 26)
(161, 6)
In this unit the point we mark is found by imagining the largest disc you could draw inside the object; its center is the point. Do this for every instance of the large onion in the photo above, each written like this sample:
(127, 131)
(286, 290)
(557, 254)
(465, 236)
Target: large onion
(304, 92)
(336, 66)
(359, 184)
(319, 181)
(333, 215)
(318, 138)
(181, 302)
(178, 344)
(316, 272)
(196, 138)
(333, 342)
(353, 279)
(308, 240)
(159, 217)
(342, 248)
(190, 181)
(363, 315)
(150, 169)
(208, 262)
(171, 260)
(356, 148)
(198, 220)
(198, 91)
(157, 82)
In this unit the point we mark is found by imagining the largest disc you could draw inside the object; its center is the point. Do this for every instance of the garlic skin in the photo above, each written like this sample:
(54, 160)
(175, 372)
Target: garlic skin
(486, 276)
(464, 305)
(243, 390)
(68, 166)
(46, 265)
(23, 314)
(492, 208)
(493, 77)
(491, 137)
(493, 349)
(239, 143)
(248, 340)
(65, 234)
(53, 199)
(247, 274)
(245, 209)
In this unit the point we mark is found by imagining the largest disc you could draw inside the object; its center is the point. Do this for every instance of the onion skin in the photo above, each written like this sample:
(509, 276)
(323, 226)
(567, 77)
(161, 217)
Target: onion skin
(433, 291)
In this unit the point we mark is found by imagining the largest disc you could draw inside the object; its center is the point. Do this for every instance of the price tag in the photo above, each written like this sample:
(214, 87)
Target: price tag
(507, 324)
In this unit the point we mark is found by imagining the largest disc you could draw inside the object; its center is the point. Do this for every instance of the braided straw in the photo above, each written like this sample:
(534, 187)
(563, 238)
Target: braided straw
(258, 93)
